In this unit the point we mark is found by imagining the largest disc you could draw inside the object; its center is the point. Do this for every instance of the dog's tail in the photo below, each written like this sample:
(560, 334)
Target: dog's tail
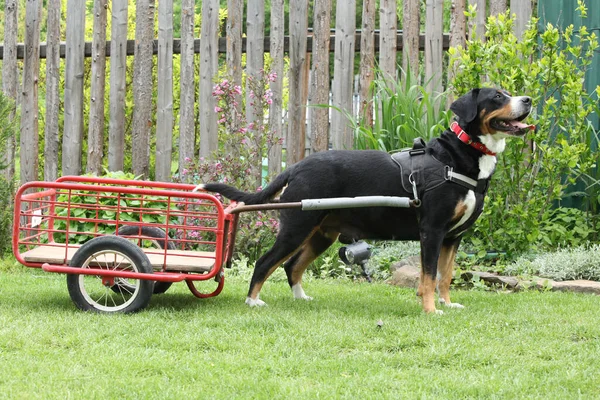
(262, 197)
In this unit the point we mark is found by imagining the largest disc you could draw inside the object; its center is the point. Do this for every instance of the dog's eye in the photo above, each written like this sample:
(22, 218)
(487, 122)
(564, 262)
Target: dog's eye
(498, 96)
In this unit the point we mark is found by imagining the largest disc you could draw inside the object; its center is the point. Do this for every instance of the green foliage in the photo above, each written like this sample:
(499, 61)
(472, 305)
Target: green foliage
(402, 111)
(6, 215)
(81, 224)
(564, 264)
(532, 175)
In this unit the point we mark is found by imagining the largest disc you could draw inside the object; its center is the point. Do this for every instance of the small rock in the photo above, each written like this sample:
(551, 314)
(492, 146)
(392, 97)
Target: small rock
(578, 286)
(406, 276)
(412, 261)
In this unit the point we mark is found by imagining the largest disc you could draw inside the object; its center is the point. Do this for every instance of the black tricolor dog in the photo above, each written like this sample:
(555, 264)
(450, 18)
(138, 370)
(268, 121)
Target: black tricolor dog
(467, 151)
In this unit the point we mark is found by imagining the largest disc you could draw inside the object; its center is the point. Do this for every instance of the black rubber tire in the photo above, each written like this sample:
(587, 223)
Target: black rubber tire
(103, 249)
(154, 232)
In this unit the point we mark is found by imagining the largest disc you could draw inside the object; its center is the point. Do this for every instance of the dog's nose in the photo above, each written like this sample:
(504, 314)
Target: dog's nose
(526, 100)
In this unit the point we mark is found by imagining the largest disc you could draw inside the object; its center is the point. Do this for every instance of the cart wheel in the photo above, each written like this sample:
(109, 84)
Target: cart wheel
(95, 293)
(153, 232)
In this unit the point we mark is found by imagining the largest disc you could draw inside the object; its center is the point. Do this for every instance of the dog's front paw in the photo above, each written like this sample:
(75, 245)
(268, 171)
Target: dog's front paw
(450, 304)
(255, 302)
(299, 293)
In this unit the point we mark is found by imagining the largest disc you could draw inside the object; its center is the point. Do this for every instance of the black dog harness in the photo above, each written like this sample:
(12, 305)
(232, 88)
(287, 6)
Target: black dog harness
(421, 172)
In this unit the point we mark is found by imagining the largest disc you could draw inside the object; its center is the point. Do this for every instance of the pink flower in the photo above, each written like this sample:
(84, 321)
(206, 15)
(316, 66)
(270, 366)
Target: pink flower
(218, 109)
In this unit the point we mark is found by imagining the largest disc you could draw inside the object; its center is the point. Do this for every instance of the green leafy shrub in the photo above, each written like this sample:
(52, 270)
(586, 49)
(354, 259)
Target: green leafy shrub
(532, 174)
(82, 216)
(564, 264)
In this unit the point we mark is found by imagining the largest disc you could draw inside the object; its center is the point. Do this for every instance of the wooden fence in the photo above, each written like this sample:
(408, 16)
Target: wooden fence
(308, 49)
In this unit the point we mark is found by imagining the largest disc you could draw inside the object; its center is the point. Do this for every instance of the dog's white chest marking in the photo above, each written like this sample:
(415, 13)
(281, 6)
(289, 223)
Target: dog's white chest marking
(469, 203)
(486, 166)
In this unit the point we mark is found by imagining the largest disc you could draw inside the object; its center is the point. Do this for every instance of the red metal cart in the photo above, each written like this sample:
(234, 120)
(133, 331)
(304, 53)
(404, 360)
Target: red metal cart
(120, 241)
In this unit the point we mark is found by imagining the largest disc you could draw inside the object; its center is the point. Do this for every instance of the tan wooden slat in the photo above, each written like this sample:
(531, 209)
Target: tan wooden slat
(458, 35)
(118, 70)
(319, 136)
(433, 45)
(95, 152)
(235, 11)
(522, 10)
(255, 28)
(29, 106)
(72, 143)
(342, 135)
(51, 137)
(411, 29)
(164, 99)
(498, 6)
(177, 260)
(387, 42)
(208, 70)
(367, 61)
(187, 95)
(142, 88)
(275, 109)
(479, 19)
(296, 108)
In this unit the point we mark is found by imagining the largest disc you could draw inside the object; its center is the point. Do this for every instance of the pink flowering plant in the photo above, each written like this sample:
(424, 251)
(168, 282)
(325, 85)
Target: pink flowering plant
(238, 161)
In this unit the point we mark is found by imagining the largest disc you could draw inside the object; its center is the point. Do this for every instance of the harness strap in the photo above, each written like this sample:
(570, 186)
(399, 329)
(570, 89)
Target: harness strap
(478, 186)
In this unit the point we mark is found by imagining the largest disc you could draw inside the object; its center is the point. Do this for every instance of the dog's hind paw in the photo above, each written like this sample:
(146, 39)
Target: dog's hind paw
(451, 305)
(255, 302)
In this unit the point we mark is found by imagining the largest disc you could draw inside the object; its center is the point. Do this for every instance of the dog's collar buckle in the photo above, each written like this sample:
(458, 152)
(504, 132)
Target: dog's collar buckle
(466, 139)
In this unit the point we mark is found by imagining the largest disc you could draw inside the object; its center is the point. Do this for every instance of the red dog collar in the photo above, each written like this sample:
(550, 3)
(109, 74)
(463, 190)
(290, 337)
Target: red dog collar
(466, 139)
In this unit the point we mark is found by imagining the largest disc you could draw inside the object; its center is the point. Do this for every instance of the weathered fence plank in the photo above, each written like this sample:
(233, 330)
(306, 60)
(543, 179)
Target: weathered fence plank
(209, 60)
(458, 34)
(411, 37)
(367, 61)
(118, 70)
(95, 152)
(51, 137)
(10, 81)
(164, 99)
(74, 71)
(276, 86)
(255, 28)
(29, 106)
(434, 14)
(235, 11)
(296, 108)
(187, 95)
(388, 21)
(142, 88)
(479, 24)
(343, 74)
(522, 10)
(320, 76)
(498, 6)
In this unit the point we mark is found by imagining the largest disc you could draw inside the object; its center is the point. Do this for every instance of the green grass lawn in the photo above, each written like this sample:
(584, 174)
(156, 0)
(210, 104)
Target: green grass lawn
(503, 345)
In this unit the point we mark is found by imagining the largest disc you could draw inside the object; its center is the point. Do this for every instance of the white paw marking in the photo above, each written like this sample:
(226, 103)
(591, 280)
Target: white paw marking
(299, 293)
(450, 305)
(439, 312)
(255, 302)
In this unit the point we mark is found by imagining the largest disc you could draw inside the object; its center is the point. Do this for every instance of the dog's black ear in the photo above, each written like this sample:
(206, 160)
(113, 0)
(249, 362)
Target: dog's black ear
(466, 106)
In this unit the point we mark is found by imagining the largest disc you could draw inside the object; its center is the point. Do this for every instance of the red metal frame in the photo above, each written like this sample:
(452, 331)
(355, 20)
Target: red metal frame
(84, 206)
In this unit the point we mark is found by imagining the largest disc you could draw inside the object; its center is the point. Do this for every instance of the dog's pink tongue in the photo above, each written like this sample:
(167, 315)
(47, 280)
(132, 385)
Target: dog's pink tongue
(521, 125)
